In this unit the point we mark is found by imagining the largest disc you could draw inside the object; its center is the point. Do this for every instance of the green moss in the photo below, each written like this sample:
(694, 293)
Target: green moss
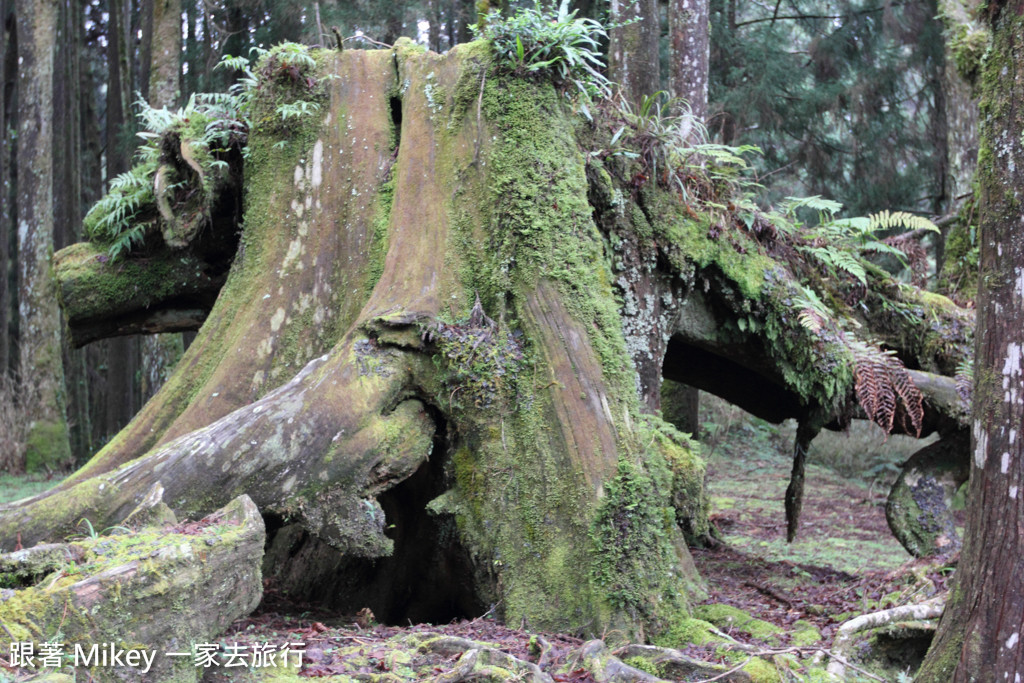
(642, 664)
(727, 617)
(804, 634)
(761, 671)
(542, 221)
(633, 555)
(47, 446)
(687, 631)
(968, 45)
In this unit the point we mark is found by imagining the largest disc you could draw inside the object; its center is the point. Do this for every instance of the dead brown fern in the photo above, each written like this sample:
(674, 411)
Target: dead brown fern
(885, 389)
(909, 243)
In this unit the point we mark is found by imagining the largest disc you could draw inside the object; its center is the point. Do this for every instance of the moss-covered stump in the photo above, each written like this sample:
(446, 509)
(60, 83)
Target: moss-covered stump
(437, 357)
(919, 505)
(141, 594)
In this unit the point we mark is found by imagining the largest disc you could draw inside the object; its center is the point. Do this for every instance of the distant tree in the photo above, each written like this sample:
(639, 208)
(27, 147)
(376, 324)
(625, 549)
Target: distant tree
(40, 362)
(842, 97)
(164, 66)
(8, 59)
(689, 43)
(633, 50)
(979, 636)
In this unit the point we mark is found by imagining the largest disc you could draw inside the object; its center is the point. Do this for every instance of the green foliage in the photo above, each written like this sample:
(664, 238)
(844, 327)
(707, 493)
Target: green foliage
(840, 245)
(297, 109)
(112, 218)
(555, 45)
(843, 97)
(211, 123)
(675, 152)
(631, 541)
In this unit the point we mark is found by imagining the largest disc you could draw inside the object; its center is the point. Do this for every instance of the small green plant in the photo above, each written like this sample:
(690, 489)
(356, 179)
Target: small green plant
(555, 45)
(672, 145)
(211, 123)
(297, 109)
(840, 245)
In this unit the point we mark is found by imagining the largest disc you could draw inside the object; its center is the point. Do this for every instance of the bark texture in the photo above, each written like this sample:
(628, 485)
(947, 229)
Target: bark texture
(979, 635)
(41, 366)
(690, 42)
(918, 508)
(190, 582)
(633, 52)
(161, 352)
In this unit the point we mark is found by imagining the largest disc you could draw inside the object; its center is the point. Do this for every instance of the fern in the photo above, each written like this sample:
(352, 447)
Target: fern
(212, 123)
(885, 389)
(672, 145)
(964, 379)
(297, 109)
(885, 220)
(115, 212)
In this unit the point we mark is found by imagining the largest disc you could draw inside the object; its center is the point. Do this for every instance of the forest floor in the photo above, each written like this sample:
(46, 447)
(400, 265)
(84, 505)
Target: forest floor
(762, 592)
(845, 562)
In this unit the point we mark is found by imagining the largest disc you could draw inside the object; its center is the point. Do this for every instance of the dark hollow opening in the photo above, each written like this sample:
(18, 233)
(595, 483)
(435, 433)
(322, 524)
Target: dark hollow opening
(429, 577)
(395, 104)
(737, 384)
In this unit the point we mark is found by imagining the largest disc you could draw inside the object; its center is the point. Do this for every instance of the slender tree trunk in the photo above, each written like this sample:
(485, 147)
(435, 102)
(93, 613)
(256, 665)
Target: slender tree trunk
(68, 202)
(122, 354)
(146, 56)
(7, 80)
(961, 106)
(434, 17)
(979, 636)
(690, 44)
(40, 346)
(633, 52)
(161, 352)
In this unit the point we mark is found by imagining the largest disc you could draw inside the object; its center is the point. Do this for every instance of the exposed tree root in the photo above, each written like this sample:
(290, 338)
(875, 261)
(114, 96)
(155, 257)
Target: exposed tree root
(929, 609)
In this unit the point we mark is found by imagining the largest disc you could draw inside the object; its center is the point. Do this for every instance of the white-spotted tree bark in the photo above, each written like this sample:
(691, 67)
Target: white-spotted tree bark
(979, 635)
(690, 43)
(633, 48)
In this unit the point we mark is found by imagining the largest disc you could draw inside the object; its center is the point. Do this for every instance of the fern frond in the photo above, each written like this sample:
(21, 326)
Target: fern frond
(885, 389)
(890, 220)
(814, 203)
(965, 380)
(845, 260)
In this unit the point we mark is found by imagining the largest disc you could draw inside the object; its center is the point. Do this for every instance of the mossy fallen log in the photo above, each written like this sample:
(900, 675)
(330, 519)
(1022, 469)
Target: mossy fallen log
(117, 602)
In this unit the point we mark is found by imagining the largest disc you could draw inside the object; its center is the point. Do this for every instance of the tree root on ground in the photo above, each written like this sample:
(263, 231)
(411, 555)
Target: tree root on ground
(841, 646)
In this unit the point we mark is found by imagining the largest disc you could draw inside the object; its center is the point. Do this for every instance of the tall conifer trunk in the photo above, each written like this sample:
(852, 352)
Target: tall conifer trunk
(633, 50)
(40, 363)
(979, 637)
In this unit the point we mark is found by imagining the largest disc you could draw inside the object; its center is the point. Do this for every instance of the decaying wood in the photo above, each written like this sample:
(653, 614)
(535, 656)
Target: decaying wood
(930, 609)
(157, 589)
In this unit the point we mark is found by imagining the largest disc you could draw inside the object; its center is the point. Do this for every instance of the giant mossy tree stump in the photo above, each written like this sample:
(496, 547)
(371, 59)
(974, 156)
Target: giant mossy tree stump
(435, 364)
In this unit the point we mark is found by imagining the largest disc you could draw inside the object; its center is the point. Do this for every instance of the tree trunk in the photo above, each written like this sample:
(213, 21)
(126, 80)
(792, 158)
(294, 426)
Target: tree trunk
(633, 51)
(965, 44)
(8, 59)
(190, 581)
(160, 353)
(918, 508)
(42, 371)
(68, 204)
(978, 637)
(689, 40)
(364, 311)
